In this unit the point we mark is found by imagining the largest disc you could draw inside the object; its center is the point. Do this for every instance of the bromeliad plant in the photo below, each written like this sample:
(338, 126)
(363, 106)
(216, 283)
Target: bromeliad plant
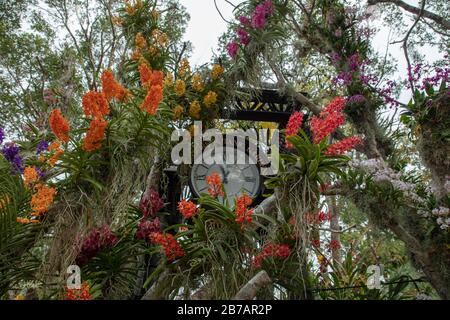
(312, 157)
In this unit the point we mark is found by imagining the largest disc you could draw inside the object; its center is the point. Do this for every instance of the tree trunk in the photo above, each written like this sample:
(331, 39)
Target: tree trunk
(334, 225)
(429, 252)
(249, 290)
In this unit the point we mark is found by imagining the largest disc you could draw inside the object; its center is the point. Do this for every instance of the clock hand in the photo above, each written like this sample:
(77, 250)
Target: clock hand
(225, 176)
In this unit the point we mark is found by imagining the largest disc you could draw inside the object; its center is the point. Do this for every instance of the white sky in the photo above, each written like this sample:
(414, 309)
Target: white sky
(206, 26)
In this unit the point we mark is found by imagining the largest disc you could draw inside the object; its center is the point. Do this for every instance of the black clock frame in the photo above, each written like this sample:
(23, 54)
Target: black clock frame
(259, 105)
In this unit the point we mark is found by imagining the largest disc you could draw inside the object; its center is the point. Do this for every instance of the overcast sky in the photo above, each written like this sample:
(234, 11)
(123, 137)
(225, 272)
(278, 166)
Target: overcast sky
(206, 26)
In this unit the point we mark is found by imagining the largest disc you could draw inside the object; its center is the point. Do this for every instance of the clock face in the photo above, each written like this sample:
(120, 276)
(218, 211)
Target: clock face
(237, 179)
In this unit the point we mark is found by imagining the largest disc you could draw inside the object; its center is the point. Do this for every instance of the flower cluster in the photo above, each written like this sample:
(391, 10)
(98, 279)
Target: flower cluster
(152, 99)
(78, 294)
(257, 21)
(195, 109)
(184, 68)
(150, 77)
(382, 173)
(260, 14)
(26, 220)
(153, 81)
(343, 146)
(177, 112)
(272, 250)
(356, 99)
(329, 120)
(323, 263)
(293, 125)
(243, 213)
(95, 104)
(41, 147)
(160, 38)
(180, 87)
(354, 62)
(187, 208)
(210, 98)
(232, 49)
(343, 78)
(2, 135)
(11, 153)
(434, 75)
(334, 245)
(59, 125)
(4, 201)
(387, 91)
(243, 36)
(151, 203)
(214, 185)
(168, 80)
(97, 240)
(145, 74)
(423, 296)
(42, 199)
(197, 82)
(146, 228)
(216, 71)
(30, 175)
(171, 247)
(54, 148)
(131, 9)
(95, 134)
(111, 88)
(140, 41)
(443, 219)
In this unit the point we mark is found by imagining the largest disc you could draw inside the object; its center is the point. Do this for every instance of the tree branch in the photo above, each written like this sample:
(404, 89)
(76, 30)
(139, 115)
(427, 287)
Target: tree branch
(443, 22)
(155, 291)
(405, 47)
(249, 291)
(299, 97)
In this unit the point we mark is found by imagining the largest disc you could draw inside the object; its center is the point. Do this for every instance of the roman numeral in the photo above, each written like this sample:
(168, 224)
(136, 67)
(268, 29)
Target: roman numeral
(200, 177)
(250, 179)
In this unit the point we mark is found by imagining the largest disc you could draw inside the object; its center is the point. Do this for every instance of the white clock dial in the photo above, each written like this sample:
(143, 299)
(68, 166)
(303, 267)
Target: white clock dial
(238, 179)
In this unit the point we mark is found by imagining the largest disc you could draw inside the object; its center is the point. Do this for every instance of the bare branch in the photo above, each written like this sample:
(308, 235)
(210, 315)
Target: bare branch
(220, 13)
(442, 21)
(405, 46)
(296, 95)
